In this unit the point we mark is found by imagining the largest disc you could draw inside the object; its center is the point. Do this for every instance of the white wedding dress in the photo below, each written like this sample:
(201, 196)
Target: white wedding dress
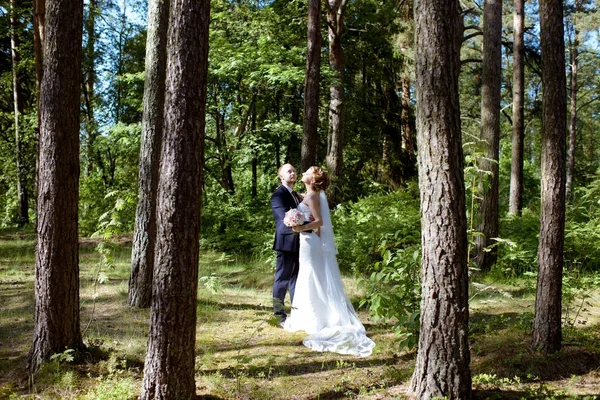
(321, 307)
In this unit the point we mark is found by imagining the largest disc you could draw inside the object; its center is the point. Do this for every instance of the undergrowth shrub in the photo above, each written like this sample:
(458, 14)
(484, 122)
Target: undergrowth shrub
(393, 293)
(519, 252)
(369, 227)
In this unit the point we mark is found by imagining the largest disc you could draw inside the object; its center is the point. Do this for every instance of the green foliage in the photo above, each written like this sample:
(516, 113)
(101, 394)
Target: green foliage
(521, 255)
(108, 190)
(394, 293)
(368, 228)
(113, 388)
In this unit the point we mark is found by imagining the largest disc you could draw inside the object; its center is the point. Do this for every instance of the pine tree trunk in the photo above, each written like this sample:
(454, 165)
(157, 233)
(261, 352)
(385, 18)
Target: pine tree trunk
(518, 134)
(442, 366)
(573, 114)
(310, 135)
(335, 142)
(57, 265)
(144, 238)
(169, 367)
(547, 333)
(490, 133)
(15, 44)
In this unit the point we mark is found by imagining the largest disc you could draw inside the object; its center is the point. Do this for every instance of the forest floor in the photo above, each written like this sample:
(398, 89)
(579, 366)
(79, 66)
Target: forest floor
(239, 355)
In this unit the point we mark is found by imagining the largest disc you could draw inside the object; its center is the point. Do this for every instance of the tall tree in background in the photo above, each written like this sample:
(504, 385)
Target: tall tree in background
(442, 366)
(490, 134)
(310, 137)
(573, 105)
(518, 134)
(39, 32)
(88, 85)
(547, 333)
(15, 44)
(57, 264)
(335, 138)
(144, 238)
(169, 367)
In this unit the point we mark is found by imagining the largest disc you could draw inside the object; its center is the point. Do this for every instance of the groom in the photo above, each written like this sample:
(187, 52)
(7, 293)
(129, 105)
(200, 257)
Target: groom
(286, 244)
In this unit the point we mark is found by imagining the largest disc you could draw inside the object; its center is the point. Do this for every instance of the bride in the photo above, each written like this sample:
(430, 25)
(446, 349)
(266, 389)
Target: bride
(320, 306)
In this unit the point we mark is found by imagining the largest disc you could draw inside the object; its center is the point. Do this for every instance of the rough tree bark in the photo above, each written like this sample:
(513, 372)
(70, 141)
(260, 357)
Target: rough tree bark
(169, 367)
(442, 366)
(335, 138)
(57, 265)
(310, 135)
(144, 238)
(547, 333)
(518, 134)
(490, 133)
(15, 44)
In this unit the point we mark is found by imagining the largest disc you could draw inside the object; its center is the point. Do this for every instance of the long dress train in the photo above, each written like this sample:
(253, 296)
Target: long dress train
(321, 307)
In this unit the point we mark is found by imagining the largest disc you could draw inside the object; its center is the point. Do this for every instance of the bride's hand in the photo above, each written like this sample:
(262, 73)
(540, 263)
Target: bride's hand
(297, 228)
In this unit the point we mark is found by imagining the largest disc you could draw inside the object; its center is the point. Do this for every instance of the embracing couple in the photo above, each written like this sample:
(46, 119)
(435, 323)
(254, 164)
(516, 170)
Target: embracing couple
(307, 267)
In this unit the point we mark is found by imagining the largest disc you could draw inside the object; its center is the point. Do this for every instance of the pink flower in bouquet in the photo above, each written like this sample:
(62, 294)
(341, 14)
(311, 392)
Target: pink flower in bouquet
(293, 218)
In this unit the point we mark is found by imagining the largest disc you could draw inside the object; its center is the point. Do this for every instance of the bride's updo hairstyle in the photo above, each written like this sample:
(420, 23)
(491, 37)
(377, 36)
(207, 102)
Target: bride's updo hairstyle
(321, 178)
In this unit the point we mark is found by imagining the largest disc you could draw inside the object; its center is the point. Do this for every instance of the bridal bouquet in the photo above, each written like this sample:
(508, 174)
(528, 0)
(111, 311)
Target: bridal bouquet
(293, 218)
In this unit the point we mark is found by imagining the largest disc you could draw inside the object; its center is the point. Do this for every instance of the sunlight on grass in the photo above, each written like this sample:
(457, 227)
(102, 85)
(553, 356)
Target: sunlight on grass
(240, 355)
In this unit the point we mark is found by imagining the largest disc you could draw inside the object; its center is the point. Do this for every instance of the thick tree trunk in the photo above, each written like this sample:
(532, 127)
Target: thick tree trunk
(335, 138)
(518, 134)
(144, 238)
(57, 270)
(169, 367)
(547, 333)
(310, 137)
(15, 44)
(573, 115)
(442, 366)
(490, 133)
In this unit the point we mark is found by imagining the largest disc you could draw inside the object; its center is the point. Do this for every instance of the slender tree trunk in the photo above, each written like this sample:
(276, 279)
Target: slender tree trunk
(88, 87)
(144, 238)
(547, 333)
(573, 115)
(254, 188)
(57, 265)
(169, 367)
(335, 142)
(405, 117)
(490, 133)
(310, 137)
(39, 23)
(516, 173)
(39, 33)
(442, 366)
(15, 44)
(294, 147)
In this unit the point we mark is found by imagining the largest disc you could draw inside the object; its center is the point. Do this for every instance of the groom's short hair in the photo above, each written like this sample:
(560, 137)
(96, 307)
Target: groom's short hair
(281, 168)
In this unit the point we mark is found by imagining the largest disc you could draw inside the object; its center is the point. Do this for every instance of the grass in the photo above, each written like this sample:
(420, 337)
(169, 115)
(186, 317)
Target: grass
(239, 355)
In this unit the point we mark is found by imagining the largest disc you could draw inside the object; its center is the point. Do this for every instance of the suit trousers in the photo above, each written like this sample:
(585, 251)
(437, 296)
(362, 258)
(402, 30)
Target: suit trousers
(286, 272)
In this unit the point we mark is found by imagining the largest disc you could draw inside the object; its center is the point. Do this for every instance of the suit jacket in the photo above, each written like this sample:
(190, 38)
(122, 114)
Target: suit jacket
(282, 201)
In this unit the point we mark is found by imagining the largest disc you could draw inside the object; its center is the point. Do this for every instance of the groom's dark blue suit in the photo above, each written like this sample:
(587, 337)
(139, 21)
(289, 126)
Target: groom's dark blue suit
(287, 246)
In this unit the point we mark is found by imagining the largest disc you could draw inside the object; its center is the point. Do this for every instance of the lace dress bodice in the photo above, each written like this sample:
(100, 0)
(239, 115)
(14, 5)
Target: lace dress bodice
(304, 209)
